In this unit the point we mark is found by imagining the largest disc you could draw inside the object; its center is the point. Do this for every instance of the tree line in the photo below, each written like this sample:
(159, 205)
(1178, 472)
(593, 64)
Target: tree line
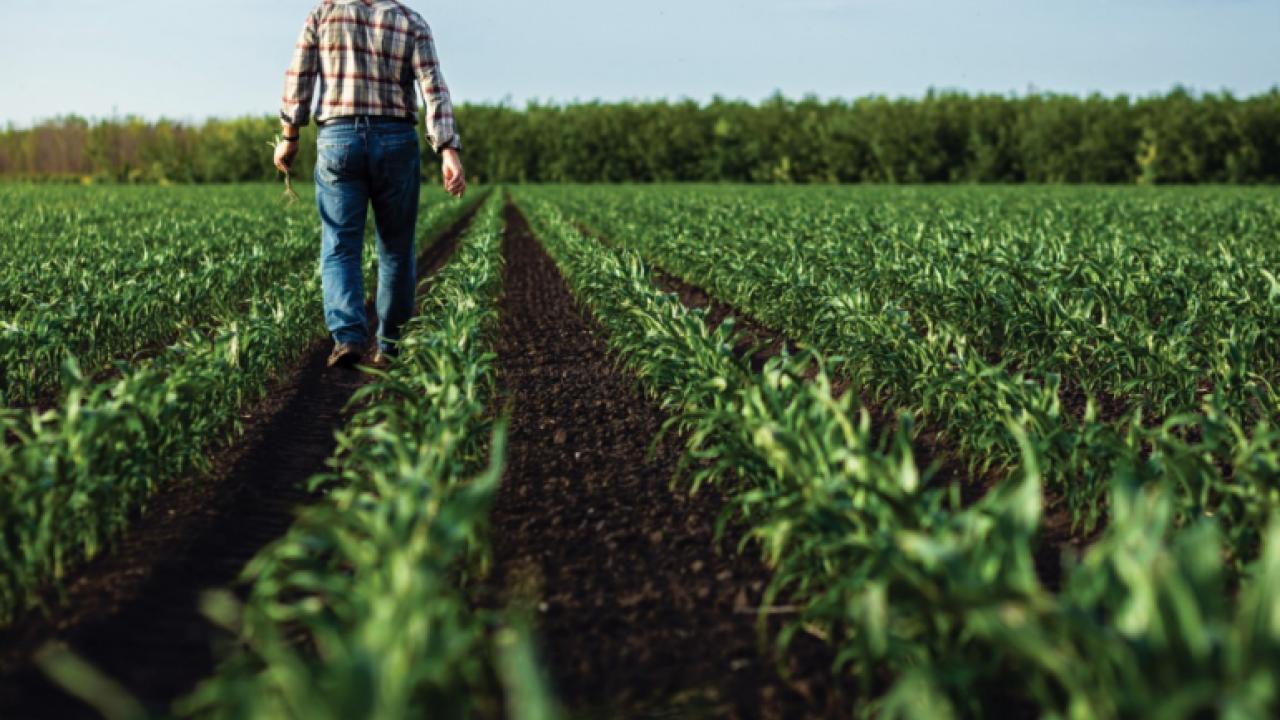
(944, 137)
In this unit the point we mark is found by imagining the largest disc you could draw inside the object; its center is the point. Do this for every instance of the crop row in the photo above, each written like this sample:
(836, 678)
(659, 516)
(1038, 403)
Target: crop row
(1149, 301)
(74, 477)
(123, 272)
(906, 583)
(935, 320)
(357, 612)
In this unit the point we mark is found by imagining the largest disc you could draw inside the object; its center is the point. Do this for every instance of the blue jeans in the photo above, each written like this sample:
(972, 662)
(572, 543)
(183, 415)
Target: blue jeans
(361, 162)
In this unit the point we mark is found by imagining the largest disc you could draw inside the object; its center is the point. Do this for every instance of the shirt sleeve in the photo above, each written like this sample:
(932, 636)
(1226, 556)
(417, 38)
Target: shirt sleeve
(304, 73)
(441, 127)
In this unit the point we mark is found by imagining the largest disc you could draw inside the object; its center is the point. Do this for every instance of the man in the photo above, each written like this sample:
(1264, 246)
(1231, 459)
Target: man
(367, 58)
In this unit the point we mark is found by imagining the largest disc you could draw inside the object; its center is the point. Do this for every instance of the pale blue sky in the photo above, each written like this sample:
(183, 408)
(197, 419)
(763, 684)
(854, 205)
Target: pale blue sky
(192, 59)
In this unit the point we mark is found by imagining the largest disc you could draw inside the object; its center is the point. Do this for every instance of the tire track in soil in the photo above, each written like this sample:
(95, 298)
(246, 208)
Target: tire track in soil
(134, 612)
(639, 612)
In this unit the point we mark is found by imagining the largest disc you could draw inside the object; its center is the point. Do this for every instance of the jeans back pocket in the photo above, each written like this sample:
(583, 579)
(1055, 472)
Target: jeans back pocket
(331, 159)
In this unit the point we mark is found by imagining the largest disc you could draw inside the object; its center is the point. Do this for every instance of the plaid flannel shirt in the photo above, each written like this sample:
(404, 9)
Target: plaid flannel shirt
(366, 57)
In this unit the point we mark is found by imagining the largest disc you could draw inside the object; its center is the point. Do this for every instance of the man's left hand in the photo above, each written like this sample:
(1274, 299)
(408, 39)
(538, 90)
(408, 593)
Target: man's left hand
(285, 153)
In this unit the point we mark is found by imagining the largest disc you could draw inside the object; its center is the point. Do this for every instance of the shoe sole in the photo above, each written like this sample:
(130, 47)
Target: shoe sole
(345, 360)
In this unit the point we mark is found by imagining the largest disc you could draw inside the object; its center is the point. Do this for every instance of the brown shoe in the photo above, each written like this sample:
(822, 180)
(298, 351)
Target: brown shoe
(382, 359)
(345, 355)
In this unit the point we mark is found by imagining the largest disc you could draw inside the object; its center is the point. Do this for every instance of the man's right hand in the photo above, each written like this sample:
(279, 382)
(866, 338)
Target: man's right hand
(286, 151)
(455, 180)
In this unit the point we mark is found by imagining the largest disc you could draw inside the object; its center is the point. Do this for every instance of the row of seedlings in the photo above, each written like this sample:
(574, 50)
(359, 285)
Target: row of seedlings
(1142, 300)
(1226, 464)
(75, 476)
(106, 273)
(904, 582)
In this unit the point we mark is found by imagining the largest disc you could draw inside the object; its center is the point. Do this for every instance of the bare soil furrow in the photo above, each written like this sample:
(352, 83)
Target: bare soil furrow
(641, 611)
(134, 612)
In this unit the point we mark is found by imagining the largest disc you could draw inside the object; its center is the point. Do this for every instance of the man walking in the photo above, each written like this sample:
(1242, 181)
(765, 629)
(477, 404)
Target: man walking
(367, 58)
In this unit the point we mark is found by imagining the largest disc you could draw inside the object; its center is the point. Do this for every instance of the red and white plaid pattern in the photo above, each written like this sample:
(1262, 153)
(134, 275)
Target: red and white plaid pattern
(365, 57)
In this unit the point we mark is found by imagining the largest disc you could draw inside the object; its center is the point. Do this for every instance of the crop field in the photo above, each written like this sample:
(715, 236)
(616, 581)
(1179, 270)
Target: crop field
(647, 451)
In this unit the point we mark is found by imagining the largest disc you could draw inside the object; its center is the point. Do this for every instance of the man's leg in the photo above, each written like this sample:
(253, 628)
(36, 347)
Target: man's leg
(342, 194)
(397, 181)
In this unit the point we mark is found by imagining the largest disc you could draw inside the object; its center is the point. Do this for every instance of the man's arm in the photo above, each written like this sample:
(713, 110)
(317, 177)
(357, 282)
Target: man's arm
(435, 93)
(442, 131)
(299, 92)
(304, 73)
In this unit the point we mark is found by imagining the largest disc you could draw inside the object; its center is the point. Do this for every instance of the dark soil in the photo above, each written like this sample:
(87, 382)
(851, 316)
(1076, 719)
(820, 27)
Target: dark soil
(134, 612)
(642, 612)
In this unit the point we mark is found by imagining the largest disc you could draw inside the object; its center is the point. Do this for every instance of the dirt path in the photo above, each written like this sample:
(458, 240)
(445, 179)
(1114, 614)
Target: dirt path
(134, 613)
(639, 612)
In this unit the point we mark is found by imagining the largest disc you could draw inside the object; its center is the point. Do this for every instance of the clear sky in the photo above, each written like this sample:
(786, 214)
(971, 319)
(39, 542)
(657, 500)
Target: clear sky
(193, 59)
